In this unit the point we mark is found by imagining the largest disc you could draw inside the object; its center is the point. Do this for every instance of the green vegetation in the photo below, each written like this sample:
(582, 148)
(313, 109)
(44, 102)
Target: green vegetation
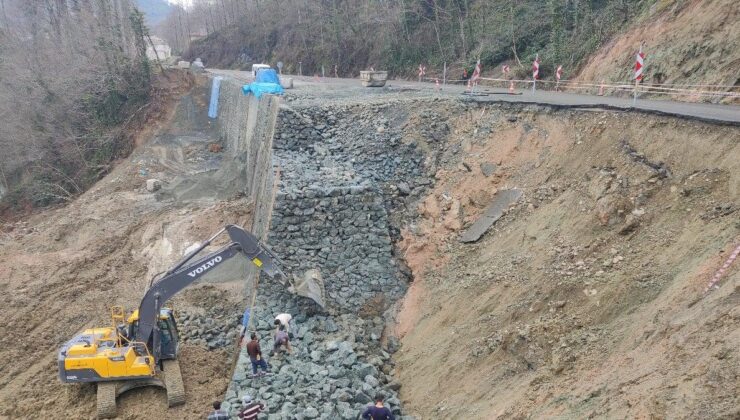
(64, 106)
(397, 36)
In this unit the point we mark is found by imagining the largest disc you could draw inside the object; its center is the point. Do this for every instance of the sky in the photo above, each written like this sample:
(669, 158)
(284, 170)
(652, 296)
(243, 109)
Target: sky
(185, 3)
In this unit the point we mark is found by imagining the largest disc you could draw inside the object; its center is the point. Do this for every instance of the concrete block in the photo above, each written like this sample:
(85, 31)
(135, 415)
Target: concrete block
(153, 185)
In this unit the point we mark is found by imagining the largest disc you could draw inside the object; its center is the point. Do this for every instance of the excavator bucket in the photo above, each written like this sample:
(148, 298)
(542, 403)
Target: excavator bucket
(310, 285)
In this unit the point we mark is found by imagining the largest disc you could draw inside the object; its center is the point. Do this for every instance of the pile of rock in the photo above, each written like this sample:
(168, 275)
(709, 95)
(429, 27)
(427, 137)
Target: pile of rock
(337, 366)
(347, 178)
(217, 328)
(343, 232)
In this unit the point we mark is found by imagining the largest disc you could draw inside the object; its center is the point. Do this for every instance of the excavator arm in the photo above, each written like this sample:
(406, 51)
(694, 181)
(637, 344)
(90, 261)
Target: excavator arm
(187, 270)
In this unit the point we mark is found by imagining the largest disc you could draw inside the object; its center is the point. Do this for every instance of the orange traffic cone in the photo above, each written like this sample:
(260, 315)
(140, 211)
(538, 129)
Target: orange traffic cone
(511, 87)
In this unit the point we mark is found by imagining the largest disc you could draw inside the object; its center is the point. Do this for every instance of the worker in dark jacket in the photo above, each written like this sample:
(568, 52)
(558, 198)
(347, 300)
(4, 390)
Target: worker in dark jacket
(255, 356)
(378, 411)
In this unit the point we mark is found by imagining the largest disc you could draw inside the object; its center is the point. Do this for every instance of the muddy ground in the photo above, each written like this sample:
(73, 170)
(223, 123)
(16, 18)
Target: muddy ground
(70, 264)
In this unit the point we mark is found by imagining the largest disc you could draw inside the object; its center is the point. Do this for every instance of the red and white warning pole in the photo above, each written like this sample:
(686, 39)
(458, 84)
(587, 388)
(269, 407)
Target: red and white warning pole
(718, 275)
(476, 73)
(436, 85)
(535, 72)
(639, 64)
(422, 71)
(558, 75)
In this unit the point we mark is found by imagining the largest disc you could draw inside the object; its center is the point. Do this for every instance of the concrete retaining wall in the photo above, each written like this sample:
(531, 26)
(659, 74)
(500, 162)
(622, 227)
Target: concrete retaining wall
(246, 126)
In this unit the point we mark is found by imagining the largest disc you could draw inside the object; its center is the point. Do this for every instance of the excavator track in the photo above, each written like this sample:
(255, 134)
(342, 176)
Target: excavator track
(106, 399)
(173, 383)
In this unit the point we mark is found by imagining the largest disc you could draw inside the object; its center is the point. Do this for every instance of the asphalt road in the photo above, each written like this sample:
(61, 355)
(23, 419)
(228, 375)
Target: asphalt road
(726, 114)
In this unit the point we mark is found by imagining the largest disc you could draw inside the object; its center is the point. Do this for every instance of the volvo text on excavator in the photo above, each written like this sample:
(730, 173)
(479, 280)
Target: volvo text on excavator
(141, 350)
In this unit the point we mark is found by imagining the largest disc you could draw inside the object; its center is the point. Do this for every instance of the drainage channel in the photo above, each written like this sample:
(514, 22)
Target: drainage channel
(345, 177)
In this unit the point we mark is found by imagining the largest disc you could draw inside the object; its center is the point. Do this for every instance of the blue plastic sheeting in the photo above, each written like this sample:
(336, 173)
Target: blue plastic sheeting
(213, 105)
(267, 76)
(261, 88)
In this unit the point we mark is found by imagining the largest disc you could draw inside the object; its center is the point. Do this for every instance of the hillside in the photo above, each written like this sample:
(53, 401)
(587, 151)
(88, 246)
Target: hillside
(586, 300)
(355, 35)
(686, 43)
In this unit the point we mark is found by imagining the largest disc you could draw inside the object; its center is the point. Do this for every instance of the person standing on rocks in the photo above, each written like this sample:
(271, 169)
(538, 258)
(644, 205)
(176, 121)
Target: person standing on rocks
(255, 356)
(281, 339)
(378, 411)
(250, 409)
(218, 413)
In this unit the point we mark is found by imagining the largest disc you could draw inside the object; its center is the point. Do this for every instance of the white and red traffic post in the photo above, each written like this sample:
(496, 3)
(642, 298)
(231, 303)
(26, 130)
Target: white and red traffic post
(639, 64)
(535, 72)
(476, 74)
(422, 71)
(558, 75)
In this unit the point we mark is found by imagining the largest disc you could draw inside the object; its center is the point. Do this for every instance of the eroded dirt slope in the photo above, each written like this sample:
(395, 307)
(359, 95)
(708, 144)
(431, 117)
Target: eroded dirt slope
(687, 42)
(587, 299)
(67, 266)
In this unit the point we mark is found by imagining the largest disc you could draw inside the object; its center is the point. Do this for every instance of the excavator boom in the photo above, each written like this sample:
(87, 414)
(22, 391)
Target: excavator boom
(186, 272)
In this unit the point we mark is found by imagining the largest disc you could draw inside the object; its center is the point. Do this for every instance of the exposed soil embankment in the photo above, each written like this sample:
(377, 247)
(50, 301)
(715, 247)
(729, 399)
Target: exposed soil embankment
(690, 44)
(69, 265)
(582, 300)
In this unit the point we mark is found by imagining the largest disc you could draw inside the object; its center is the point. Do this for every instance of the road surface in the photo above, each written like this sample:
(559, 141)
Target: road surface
(725, 114)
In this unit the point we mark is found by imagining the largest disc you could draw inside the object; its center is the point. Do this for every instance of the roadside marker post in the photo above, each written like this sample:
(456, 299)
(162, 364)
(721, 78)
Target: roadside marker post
(639, 63)
(444, 74)
(422, 72)
(535, 72)
(511, 87)
(601, 88)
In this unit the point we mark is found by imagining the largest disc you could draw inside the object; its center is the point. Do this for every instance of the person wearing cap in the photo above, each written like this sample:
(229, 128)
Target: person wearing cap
(250, 409)
(378, 411)
(218, 413)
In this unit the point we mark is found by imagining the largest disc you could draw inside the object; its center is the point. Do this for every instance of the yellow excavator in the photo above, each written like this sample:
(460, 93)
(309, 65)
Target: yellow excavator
(141, 350)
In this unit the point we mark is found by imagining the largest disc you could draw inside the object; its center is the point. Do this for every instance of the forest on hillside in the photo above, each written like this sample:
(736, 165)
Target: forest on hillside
(396, 35)
(71, 71)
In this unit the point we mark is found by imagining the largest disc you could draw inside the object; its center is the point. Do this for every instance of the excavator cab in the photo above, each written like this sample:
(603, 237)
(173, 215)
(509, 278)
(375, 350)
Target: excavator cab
(168, 333)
